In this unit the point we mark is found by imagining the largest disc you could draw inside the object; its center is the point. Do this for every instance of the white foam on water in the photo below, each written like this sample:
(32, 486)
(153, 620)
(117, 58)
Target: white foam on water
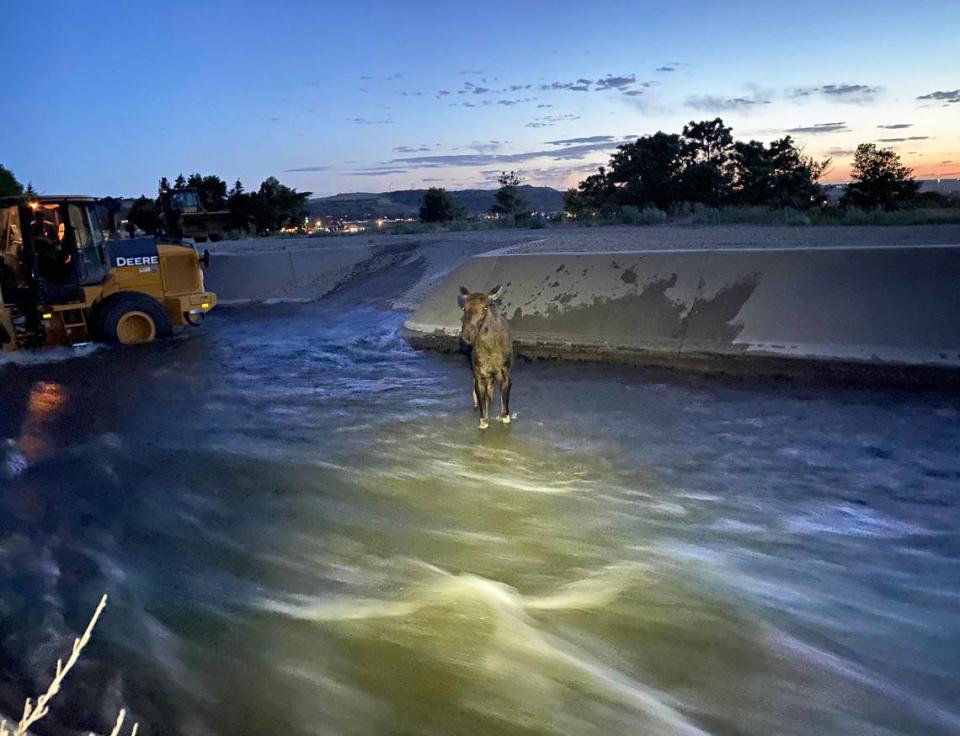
(506, 482)
(42, 356)
(481, 629)
(849, 520)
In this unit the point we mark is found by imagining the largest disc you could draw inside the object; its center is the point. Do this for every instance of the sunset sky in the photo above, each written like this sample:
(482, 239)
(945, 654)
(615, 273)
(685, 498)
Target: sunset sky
(360, 96)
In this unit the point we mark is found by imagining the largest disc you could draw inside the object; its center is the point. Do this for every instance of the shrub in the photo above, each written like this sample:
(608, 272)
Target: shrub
(537, 222)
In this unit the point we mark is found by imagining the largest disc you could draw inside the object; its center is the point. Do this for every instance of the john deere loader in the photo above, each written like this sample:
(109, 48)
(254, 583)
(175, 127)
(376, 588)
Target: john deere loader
(62, 283)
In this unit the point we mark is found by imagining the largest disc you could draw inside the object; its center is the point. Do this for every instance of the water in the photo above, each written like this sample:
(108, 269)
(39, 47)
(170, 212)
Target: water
(302, 532)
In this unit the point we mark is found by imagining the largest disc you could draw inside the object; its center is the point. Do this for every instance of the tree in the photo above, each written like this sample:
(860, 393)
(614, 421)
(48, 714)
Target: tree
(644, 173)
(276, 205)
(144, 214)
(707, 171)
(775, 175)
(240, 205)
(879, 179)
(211, 190)
(440, 206)
(164, 185)
(180, 183)
(507, 200)
(595, 193)
(8, 183)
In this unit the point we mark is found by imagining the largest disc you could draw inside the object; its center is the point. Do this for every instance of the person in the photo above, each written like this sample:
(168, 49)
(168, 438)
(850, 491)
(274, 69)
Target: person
(42, 227)
(131, 229)
(52, 260)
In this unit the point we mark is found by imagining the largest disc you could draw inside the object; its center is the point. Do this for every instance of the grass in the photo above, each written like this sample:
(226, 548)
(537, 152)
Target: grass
(33, 712)
(749, 215)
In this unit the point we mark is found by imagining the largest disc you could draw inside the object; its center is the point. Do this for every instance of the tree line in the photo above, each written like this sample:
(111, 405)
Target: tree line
(265, 210)
(439, 205)
(705, 165)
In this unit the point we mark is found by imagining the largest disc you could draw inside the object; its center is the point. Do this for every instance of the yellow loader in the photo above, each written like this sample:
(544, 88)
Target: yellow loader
(61, 283)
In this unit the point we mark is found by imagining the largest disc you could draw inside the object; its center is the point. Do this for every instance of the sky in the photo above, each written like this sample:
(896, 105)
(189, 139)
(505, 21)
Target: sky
(104, 98)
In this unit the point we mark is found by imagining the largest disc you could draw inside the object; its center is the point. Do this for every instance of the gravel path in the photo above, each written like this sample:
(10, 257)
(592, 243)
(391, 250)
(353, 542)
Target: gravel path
(627, 237)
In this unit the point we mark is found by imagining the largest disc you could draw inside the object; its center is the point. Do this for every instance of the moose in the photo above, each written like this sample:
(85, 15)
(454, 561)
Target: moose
(486, 335)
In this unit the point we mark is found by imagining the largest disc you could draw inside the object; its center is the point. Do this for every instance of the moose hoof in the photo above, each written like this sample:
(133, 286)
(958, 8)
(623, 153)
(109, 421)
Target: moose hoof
(484, 424)
(505, 419)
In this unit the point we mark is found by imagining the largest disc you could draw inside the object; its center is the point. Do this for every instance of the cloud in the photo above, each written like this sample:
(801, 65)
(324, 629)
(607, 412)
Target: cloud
(666, 68)
(853, 93)
(543, 105)
(896, 126)
(841, 151)
(411, 149)
(471, 71)
(632, 92)
(377, 172)
(581, 85)
(586, 139)
(947, 96)
(365, 121)
(819, 128)
(549, 120)
(443, 92)
(481, 90)
(715, 102)
(486, 147)
(302, 169)
(613, 82)
(849, 89)
(564, 153)
(903, 140)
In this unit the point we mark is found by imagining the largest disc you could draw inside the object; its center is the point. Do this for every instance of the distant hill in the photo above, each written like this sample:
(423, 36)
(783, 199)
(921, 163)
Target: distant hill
(406, 202)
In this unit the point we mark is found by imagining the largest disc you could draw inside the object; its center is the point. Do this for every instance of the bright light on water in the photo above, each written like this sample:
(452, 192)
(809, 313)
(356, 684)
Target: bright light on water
(302, 531)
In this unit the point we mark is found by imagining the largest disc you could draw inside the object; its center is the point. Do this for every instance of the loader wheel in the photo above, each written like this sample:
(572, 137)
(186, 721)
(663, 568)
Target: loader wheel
(134, 319)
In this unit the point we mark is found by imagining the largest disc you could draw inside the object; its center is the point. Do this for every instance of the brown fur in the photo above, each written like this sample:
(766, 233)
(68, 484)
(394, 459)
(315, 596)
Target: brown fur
(484, 330)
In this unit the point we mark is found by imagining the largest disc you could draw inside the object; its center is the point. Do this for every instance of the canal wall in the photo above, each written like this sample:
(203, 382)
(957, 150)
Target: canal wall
(889, 312)
(271, 275)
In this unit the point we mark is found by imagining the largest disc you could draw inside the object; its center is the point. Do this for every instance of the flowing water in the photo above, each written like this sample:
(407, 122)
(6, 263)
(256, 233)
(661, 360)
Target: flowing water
(302, 531)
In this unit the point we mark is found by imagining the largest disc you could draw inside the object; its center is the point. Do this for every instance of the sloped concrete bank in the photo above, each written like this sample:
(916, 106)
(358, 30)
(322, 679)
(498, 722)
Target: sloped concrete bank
(884, 313)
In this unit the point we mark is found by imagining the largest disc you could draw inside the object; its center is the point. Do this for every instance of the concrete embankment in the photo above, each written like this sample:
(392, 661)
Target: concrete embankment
(885, 312)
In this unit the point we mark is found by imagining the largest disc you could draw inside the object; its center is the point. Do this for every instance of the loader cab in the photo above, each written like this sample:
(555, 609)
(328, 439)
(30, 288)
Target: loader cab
(185, 200)
(51, 247)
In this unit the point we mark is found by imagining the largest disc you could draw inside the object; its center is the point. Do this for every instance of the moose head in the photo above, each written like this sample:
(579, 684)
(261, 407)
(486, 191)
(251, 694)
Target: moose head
(475, 306)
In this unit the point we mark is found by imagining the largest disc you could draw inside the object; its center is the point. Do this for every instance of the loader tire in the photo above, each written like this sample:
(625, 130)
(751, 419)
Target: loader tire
(133, 319)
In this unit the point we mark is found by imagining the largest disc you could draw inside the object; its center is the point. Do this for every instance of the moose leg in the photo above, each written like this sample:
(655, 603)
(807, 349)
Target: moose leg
(505, 399)
(476, 401)
(487, 398)
(480, 391)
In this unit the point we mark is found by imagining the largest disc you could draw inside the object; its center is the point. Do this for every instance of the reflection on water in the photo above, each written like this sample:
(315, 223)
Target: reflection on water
(302, 531)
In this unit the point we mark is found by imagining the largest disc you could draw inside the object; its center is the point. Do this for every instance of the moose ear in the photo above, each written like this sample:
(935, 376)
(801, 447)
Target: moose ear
(461, 299)
(496, 292)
